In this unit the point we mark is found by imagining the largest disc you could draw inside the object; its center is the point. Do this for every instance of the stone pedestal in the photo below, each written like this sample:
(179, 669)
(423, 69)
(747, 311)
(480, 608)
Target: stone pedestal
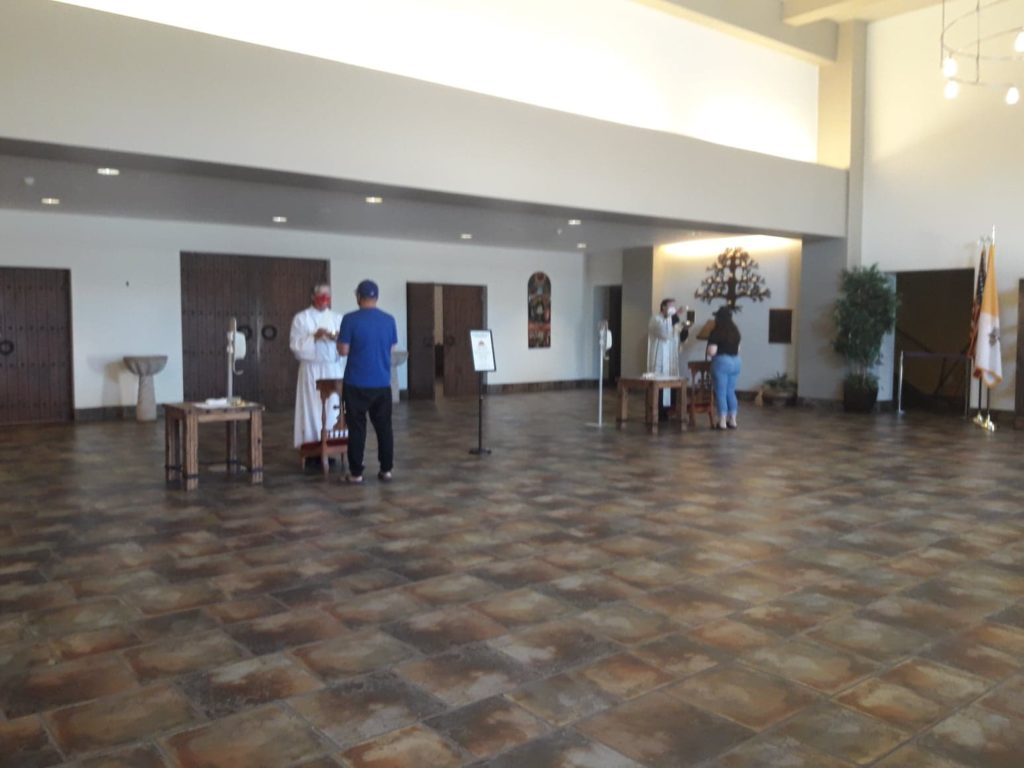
(145, 367)
(398, 357)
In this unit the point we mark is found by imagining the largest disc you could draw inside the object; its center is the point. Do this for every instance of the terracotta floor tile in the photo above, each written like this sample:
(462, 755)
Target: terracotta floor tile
(732, 637)
(563, 749)
(625, 623)
(24, 744)
(913, 756)
(937, 682)
(46, 687)
(454, 588)
(625, 676)
(263, 738)
(563, 698)
(520, 607)
(465, 674)
(354, 711)
(825, 669)
(894, 704)
(174, 657)
(130, 757)
(377, 608)
(843, 733)
(744, 695)
(244, 684)
(353, 654)
(775, 751)
(439, 630)
(291, 629)
(662, 732)
(1007, 699)
(488, 727)
(872, 639)
(978, 737)
(679, 655)
(407, 748)
(688, 605)
(548, 648)
(120, 719)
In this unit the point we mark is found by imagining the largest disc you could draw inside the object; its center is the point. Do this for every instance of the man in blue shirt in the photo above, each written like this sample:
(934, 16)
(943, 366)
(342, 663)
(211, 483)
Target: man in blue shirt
(367, 337)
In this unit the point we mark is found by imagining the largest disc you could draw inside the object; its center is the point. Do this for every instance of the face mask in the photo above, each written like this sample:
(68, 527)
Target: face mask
(322, 301)
(671, 311)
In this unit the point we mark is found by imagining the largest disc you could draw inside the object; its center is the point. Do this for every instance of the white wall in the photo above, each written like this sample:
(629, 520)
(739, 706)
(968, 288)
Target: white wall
(126, 292)
(940, 173)
(79, 78)
(615, 60)
(679, 269)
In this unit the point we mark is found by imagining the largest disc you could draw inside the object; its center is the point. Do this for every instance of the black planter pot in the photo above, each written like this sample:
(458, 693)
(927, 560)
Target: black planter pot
(858, 399)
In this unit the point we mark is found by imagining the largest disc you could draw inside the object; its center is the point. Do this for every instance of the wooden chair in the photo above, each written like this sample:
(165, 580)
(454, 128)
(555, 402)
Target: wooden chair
(700, 394)
(333, 442)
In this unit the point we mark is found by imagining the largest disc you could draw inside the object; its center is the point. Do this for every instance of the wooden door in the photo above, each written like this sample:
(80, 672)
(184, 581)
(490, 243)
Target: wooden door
(463, 312)
(419, 312)
(285, 288)
(615, 326)
(35, 345)
(263, 294)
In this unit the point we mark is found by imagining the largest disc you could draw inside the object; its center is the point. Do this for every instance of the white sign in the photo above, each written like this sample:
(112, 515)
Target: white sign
(482, 343)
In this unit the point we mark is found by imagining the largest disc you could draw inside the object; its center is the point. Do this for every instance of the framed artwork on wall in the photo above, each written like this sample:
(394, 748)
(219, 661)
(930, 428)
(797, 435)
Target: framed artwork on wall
(538, 309)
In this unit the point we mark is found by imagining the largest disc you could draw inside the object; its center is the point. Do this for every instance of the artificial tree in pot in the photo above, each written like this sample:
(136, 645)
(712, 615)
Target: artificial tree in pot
(864, 313)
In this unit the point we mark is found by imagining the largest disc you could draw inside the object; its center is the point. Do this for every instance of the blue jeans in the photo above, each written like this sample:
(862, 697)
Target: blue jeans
(725, 369)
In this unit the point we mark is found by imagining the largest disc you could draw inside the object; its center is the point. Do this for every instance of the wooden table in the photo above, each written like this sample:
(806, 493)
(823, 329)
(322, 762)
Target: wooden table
(181, 439)
(652, 389)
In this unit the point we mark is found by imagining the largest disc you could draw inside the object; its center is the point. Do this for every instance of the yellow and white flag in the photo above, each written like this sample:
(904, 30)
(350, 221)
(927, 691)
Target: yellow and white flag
(988, 357)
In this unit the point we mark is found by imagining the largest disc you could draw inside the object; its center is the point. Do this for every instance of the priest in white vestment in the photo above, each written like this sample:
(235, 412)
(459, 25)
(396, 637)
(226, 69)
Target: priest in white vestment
(313, 342)
(663, 349)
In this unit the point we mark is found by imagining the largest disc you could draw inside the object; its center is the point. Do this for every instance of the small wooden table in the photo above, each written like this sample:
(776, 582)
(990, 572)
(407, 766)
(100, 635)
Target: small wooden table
(652, 389)
(181, 439)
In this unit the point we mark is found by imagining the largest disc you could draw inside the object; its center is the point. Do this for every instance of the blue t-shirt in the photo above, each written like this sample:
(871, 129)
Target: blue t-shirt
(370, 334)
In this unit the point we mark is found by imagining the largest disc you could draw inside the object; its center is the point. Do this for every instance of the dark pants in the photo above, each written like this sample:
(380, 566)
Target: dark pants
(377, 402)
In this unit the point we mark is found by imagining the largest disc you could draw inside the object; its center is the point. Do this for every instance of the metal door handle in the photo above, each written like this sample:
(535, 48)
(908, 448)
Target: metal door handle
(269, 332)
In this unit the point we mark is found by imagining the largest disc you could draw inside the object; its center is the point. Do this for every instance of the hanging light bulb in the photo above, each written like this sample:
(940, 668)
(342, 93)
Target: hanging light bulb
(1018, 44)
(1012, 95)
(952, 89)
(950, 67)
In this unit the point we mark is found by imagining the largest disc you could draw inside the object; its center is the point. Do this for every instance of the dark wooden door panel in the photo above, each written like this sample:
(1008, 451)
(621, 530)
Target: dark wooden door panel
(419, 310)
(463, 312)
(1019, 409)
(263, 293)
(35, 345)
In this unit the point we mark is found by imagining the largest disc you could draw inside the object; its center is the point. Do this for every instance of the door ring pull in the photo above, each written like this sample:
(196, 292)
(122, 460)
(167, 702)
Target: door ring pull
(269, 332)
(6, 347)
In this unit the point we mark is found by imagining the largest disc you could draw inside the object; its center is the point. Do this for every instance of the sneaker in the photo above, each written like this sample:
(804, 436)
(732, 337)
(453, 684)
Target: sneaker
(354, 479)
(384, 477)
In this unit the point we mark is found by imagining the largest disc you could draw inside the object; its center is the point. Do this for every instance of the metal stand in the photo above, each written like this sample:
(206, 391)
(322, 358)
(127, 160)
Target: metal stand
(602, 351)
(480, 450)
(899, 394)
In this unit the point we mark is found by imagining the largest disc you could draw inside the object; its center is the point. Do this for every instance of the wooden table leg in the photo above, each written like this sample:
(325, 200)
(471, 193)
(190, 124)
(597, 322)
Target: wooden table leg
(682, 406)
(191, 474)
(651, 416)
(256, 447)
(623, 405)
(172, 447)
(231, 439)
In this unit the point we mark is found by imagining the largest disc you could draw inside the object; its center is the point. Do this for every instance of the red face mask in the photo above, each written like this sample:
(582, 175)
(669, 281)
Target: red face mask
(322, 301)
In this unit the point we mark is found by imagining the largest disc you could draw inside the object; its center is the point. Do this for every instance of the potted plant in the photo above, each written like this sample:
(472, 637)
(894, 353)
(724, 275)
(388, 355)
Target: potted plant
(779, 390)
(864, 313)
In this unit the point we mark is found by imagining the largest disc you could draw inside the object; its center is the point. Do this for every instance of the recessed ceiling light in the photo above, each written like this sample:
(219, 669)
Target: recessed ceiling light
(108, 171)
(280, 219)
(50, 201)
(466, 236)
(373, 200)
(581, 245)
(574, 222)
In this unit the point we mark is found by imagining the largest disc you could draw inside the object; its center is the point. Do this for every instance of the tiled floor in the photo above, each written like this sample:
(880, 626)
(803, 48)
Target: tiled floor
(811, 591)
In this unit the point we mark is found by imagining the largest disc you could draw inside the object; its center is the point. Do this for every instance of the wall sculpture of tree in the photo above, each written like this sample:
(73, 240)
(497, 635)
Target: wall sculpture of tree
(733, 276)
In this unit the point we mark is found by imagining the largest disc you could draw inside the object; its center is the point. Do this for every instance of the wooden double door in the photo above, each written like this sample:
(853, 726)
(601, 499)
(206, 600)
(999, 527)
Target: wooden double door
(263, 294)
(439, 319)
(35, 346)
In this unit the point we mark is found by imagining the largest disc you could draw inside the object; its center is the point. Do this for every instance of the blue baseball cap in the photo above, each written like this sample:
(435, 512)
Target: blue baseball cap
(368, 290)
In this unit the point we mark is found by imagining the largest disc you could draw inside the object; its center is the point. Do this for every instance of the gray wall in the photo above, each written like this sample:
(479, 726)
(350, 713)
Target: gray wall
(77, 77)
(820, 370)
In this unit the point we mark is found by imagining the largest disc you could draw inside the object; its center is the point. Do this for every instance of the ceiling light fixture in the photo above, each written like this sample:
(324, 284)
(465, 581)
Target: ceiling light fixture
(983, 46)
(373, 200)
(108, 171)
(280, 219)
(581, 245)
(466, 236)
(50, 201)
(574, 222)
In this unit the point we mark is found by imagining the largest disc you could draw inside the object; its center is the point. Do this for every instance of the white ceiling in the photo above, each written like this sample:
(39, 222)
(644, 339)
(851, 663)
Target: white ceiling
(153, 188)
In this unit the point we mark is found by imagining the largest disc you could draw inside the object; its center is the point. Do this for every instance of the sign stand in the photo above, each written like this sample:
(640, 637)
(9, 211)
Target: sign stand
(481, 344)
(604, 343)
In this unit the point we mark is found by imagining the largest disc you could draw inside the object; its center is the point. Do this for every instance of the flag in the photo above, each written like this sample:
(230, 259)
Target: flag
(979, 294)
(988, 358)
